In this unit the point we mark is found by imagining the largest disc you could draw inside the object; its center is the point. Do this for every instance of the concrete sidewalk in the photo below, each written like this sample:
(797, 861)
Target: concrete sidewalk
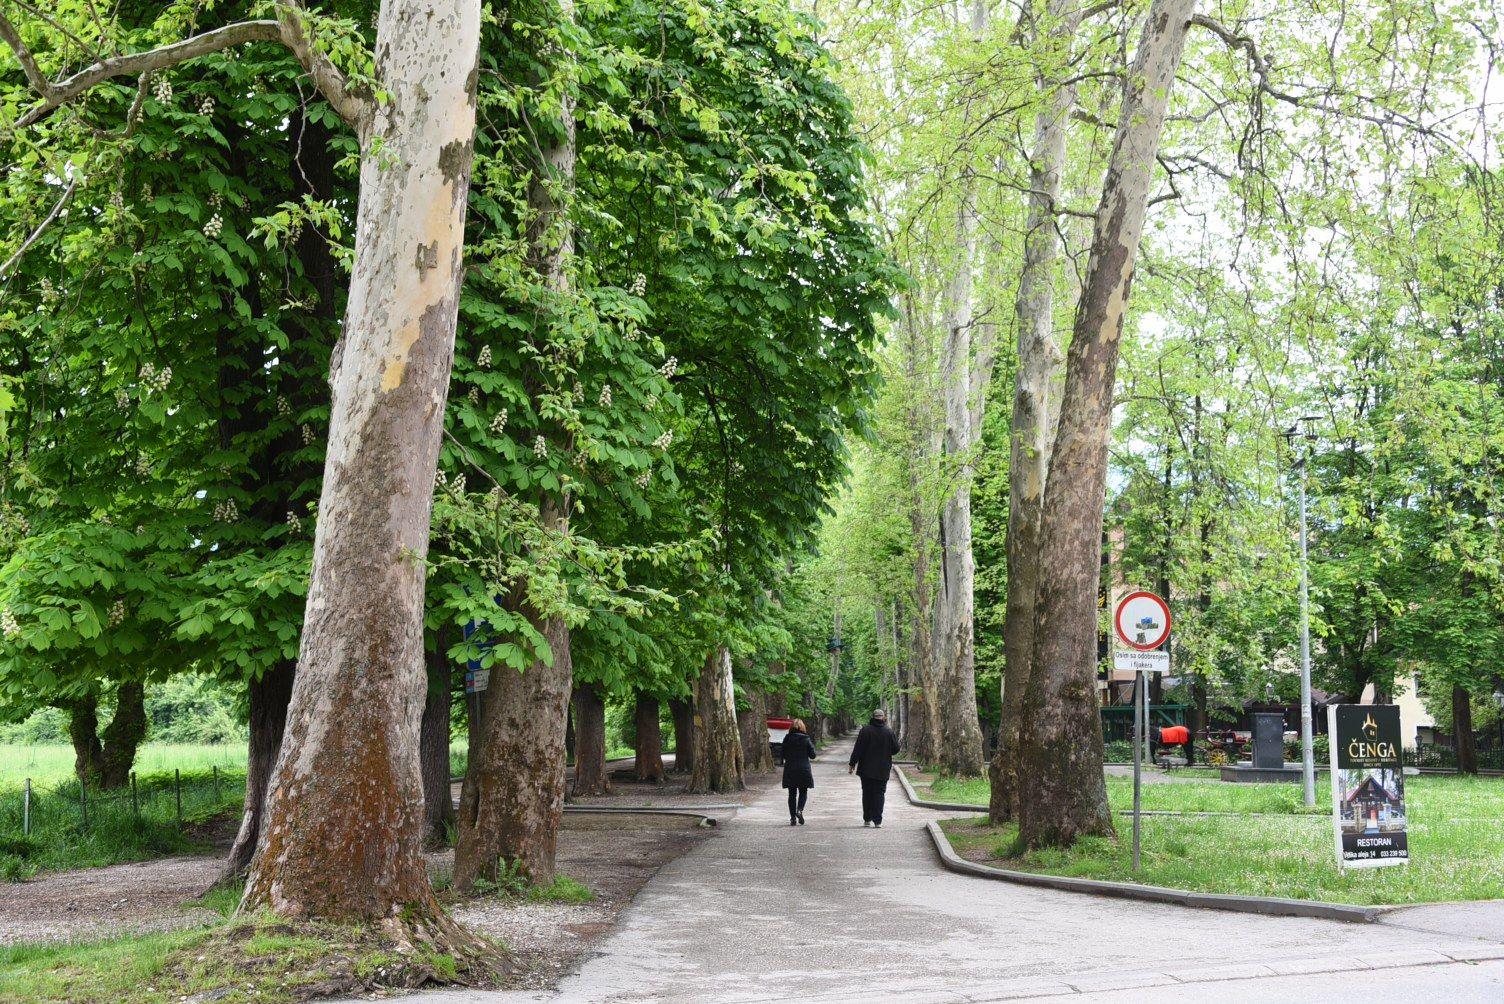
(833, 911)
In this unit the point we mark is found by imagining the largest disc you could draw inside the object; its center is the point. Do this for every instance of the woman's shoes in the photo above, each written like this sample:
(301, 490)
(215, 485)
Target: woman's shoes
(792, 822)
(801, 819)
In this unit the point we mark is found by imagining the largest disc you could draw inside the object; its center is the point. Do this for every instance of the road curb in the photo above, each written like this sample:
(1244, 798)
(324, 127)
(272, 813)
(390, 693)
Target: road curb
(908, 790)
(691, 812)
(1265, 905)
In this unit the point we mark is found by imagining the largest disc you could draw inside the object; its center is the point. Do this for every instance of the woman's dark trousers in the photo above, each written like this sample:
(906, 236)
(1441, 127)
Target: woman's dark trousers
(796, 800)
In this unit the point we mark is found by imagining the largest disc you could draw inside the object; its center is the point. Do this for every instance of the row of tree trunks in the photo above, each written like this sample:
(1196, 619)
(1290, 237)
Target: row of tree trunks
(344, 820)
(1062, 793)
(924, 694)
(718, 764)
(104, 759)
(752, 723)
(648, 741)
(1033, 423)
(590, 742)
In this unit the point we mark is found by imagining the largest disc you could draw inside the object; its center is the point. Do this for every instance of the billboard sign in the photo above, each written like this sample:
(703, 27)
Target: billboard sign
(1368, 785)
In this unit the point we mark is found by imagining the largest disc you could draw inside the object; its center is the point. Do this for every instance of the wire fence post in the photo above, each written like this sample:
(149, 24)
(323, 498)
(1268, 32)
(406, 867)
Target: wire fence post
(216, 784)
(135, 800)
(178, 787)
(26, 809)
(83, 802)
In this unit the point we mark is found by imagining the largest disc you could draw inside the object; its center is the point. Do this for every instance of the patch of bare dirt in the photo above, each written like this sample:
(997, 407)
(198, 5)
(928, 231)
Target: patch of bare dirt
(95, 902)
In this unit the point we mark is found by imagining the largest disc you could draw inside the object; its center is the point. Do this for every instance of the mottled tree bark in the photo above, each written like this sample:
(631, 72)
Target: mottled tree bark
(1462, 728)
(433, 748)
(268, 698)
(752, 723)
(647, 747)
(1033, 428)
(590, 742)
(683, 713)
(1062, 795)
(343, 834)
(718, 744)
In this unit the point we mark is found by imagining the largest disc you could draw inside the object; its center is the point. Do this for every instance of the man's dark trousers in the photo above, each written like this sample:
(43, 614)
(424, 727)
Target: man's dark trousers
(874, 793)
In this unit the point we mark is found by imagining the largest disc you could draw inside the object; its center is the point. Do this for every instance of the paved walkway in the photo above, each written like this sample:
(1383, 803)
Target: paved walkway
(831, 911)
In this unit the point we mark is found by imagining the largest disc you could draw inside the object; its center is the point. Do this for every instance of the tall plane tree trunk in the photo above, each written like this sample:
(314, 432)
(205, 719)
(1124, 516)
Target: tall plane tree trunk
(1033, 427)
(752, 723)
(683, 713)
(590, 742)
(268, 698)
(513, 795)
(648, 749)
(960, 740)
(344, 828)
(924, 698)
(718, 743)
(1062, 795)
(433, 747)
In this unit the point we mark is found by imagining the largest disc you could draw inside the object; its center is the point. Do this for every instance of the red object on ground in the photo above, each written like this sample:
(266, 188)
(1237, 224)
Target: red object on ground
(1174, 735)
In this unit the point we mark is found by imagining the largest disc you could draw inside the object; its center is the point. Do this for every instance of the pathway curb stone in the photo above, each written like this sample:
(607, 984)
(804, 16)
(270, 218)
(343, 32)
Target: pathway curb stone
(1266, 905)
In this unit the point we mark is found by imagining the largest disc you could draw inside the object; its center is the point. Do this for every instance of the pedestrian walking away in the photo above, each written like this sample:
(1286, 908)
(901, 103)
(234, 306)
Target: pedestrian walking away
(872, 761)
(798, 778)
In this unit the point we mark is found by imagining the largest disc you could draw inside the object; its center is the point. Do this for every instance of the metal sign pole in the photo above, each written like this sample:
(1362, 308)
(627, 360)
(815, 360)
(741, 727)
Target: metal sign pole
(1138, 756)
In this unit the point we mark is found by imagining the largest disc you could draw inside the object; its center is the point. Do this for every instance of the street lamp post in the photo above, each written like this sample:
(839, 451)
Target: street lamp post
(1307, 750)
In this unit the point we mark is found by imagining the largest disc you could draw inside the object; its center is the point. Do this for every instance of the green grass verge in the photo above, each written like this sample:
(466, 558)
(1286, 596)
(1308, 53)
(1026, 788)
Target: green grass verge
(251, 959)
(115, 830)
(1456, 851)
(1427, 796)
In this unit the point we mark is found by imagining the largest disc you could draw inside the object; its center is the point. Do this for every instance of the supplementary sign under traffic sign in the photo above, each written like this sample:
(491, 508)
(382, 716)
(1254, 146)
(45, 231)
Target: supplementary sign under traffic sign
(1140, 662)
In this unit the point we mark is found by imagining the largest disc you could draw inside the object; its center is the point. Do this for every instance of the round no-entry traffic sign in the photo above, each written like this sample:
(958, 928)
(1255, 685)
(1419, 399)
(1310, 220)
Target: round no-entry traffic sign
(1142, 621)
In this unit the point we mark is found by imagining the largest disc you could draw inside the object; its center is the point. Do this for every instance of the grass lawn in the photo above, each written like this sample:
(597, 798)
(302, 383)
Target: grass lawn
(54, 762)
(1456, 828)
(1186, 796)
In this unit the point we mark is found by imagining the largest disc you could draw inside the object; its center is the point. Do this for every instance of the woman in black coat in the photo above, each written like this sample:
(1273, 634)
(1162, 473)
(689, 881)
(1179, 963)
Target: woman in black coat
(798, 751)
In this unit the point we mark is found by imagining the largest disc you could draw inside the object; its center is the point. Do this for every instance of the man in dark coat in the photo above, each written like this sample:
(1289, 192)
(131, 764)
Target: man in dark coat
(872, 761)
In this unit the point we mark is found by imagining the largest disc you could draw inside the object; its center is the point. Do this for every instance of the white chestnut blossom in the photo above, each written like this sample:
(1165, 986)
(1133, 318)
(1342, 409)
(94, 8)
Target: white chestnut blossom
(540, 447)
(483, 359)
(294, 522)
(670, 367)
(664, 441)
(226, 511)
(163, 90)
(605, 398)
(499, 423)
(117, 613)
(8, 624)
(214, 227)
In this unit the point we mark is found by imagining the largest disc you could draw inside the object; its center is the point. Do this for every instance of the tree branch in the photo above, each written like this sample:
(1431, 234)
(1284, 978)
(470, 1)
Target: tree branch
(288, 28)
(14, 259)
(351, 106)
(56, 95)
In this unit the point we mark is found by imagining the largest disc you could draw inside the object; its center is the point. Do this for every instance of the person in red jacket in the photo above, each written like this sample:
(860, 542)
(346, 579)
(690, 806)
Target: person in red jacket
(872, 761)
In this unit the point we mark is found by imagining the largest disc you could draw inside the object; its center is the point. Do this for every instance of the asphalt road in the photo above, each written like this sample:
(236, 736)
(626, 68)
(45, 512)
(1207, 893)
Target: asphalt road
(833, 911)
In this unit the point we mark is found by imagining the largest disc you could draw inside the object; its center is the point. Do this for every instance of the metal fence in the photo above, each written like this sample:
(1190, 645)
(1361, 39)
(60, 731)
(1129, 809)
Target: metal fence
(162, 798)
